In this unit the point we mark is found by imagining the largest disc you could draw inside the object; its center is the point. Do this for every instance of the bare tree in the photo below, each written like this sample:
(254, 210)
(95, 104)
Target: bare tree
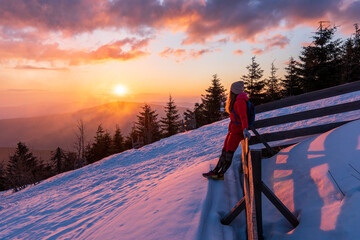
(80, 145)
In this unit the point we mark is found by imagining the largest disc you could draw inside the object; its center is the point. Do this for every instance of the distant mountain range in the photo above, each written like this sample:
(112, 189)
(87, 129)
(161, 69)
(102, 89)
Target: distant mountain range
(51, 131)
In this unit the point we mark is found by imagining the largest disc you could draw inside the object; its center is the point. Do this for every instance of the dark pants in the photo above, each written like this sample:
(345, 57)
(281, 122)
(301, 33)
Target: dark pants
(224, 161)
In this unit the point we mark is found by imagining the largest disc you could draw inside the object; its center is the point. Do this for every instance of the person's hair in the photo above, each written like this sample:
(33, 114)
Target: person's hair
(230, 102)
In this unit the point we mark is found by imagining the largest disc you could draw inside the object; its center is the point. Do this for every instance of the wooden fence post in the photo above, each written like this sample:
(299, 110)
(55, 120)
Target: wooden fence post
(256, 169)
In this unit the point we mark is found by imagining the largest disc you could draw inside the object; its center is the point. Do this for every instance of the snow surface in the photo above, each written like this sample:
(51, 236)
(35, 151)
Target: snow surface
(157, 192)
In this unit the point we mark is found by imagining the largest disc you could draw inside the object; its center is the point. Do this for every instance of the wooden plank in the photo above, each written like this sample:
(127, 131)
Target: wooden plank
(276, 136)
(256, 172)
(262, 140)
(235, 211)
(251, 219)
(279, 205)
(341, 108)
(308, 97)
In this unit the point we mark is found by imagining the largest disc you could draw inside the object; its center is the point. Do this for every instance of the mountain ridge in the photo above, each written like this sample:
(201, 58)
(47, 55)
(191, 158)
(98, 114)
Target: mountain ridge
(58, 130)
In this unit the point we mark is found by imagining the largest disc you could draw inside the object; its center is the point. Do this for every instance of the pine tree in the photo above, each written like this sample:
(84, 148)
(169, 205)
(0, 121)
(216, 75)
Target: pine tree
(147, 125)
(117, 141)
(253, 82)
(212, 102)
(22, 168)
(170, 124)
(69, 161)
(57, 158)
(44, 170)
(272, 85)
(292, 83)
(3, 182)
(351, 58)
(320, 65)
(133, 139)
(100, 148)
(189, 120)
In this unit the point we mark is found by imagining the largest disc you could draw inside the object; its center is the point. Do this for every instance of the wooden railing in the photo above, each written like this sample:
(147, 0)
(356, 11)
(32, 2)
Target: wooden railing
(253, 185)
(305, 115)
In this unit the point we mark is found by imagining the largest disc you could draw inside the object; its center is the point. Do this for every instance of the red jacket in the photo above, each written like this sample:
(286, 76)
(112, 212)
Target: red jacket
(240, 109)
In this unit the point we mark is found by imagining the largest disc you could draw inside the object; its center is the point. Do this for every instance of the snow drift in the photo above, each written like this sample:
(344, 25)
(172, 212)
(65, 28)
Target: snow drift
(157, 192)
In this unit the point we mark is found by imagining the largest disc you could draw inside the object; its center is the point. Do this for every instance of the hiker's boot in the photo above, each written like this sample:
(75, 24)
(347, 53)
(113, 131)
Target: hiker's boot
(220, 162)
(227, 163)
(220, 176)
(210, 174)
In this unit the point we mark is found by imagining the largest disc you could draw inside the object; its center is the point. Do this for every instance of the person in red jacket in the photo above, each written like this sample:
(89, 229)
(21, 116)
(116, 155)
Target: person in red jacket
(238, 129)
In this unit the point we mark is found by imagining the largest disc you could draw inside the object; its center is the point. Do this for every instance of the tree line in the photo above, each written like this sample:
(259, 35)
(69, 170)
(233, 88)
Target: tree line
(325, 63)
(24, 169)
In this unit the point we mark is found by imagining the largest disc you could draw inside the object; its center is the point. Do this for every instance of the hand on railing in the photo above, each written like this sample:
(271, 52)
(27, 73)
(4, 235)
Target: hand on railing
(246, 134)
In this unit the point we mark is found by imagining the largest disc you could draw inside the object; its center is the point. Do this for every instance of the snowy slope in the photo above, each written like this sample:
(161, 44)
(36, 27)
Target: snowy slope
(154, 192)
(157, 192)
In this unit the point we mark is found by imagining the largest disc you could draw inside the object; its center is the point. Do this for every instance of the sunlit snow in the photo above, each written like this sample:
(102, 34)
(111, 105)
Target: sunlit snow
(157, 192)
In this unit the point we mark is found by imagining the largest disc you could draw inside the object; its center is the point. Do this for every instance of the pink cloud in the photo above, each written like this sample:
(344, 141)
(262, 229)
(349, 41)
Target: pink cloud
(178, 53)
(277, 40)
(258, 51)
(31, 67)
(10, 50)
(239, 52)
(200, 20)
(305, 44)
(183, 54)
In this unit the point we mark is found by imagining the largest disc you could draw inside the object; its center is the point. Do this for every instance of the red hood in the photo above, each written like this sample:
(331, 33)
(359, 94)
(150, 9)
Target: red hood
(242, 96)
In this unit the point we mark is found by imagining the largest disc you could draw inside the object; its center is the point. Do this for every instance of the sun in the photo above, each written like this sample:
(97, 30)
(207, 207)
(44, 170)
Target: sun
(120, 90)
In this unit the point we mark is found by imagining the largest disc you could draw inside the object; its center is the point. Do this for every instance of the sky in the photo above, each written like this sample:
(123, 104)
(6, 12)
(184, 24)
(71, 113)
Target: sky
(77, 52)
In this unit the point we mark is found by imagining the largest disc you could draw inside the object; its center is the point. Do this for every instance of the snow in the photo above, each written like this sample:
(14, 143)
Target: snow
(306, 177)
(157, 192)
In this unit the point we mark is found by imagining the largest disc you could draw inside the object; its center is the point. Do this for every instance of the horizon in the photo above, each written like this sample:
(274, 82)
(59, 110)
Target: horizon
(43, 109)
(75, 55)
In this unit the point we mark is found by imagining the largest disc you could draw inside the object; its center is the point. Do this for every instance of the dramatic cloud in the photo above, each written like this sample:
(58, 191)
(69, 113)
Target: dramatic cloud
(277, 41)
(201, 21)
(271, 43)
(183, 54)
(123, 50)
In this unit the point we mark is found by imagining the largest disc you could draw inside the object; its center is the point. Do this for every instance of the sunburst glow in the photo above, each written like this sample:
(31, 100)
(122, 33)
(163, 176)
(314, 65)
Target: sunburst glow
(120, 90)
